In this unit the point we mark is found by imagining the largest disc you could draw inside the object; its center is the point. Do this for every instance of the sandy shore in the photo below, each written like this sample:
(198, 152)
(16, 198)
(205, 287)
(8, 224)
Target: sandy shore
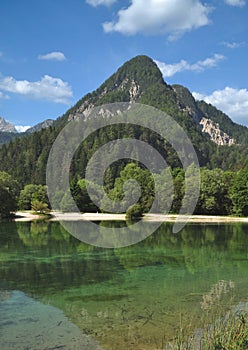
(26, 216)
(57, 216)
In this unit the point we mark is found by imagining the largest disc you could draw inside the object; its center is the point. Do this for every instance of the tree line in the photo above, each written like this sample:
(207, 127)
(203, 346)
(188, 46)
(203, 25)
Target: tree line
(221, 193)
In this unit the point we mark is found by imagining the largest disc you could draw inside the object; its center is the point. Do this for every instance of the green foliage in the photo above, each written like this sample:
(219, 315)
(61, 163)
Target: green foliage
(32, 193)
(134, 212)
(83, 200)
(134, 184)
(165, 189)
(6, 137)
(9, 191)
(228, 333)
(239, 192)
(25, 158)
(67, 203)
(214, 193)
(39, 207)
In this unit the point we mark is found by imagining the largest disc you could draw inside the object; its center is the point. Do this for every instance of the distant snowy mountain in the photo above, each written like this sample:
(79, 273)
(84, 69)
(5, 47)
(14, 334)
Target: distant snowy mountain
(6, 126)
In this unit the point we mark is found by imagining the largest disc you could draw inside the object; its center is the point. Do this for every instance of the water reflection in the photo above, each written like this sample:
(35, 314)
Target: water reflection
(129, 297)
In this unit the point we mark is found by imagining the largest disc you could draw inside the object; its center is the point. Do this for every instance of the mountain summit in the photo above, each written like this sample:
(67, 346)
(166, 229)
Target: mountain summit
(140, 80)
(6, 126)
(218, 141)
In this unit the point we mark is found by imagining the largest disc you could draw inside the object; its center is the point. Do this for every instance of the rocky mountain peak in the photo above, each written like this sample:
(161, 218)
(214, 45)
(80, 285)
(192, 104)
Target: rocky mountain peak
(140, 80)
(45, 124)
(134, 77)
(6, 126)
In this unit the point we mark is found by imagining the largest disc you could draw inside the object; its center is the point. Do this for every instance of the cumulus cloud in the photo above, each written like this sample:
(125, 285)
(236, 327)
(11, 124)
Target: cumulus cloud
(172, 17)
(168, 70)
(53, 56)
(100, 2)
(48, 88)
(22, 128)
(239, 3)
(233, 102)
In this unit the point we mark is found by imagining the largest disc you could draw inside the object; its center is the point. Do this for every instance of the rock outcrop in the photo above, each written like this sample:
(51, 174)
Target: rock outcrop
(6, 126)
(40, 126)
(216, 135)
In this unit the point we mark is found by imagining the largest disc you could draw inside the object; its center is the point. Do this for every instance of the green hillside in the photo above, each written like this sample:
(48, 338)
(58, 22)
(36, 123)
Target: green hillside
(137, 80)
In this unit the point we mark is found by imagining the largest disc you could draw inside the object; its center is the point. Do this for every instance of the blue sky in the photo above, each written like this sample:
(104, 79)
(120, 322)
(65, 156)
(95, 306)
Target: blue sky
(54, 52)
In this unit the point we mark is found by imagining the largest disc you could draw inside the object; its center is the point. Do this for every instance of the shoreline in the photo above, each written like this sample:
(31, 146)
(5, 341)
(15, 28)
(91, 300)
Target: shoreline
(57, 216)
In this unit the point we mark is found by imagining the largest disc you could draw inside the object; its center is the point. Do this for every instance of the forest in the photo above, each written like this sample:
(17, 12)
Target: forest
(221, 193)
(224, 169)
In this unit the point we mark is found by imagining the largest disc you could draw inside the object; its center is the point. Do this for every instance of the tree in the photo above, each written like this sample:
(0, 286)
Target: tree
(134, 212)
(214, 194)
(39, 207)
(165, 190)
(32, 193)
(126, 185)
(9, 191)
(239, 193)
(67, 203)
(83, 200)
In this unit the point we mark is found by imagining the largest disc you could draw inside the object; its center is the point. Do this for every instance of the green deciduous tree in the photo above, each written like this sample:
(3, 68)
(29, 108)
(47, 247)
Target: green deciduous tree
(32, 193)
(39, 207)
(239, 192)
(134, 212)
(214, 194)
(9, 191)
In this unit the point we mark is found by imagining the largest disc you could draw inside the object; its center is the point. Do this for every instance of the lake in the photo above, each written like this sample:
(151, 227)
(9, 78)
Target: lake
(59, 293)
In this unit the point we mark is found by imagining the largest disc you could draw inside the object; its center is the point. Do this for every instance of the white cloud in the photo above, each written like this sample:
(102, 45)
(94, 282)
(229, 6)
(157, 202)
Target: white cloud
(172, 17)
(239, 3)
(100, 2)
(22, 128)
(168, 70)
(48, 88)
(3, 97)
(53, 56)
(233, 45)
(233, 102)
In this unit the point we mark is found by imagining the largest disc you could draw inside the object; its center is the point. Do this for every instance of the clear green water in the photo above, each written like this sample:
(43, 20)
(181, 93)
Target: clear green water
(128, 298)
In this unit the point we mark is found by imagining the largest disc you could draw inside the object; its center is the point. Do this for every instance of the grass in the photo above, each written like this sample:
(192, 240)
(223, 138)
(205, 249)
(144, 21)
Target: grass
(229, 333)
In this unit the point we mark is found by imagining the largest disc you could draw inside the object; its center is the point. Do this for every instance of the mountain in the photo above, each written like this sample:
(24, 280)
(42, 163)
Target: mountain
(6, 126)
(239, 133)
(43, 125)
(219, 127)
(140, 80)
(219, 143)
(8, 131)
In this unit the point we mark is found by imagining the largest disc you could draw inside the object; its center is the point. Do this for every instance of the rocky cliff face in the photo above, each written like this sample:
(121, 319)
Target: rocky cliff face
(216, 135)
(139, 80)
(40, 126)
(6, 126)
(188, 104)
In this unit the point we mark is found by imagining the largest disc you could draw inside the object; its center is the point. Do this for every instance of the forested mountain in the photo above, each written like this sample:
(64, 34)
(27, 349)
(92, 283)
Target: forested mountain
(7, 131)
(5, 137)
(141, 81)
